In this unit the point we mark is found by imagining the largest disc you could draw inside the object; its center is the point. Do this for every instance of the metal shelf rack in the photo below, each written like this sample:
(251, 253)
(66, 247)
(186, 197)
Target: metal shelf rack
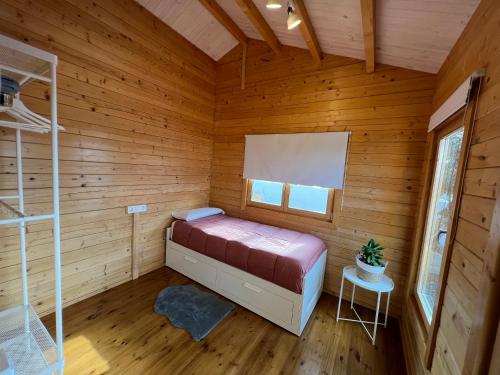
(29, 347)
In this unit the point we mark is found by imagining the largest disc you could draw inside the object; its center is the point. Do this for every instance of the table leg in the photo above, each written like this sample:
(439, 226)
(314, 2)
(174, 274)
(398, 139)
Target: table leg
(376, 319)
(387, 308)
(352, 297)
(340, 297)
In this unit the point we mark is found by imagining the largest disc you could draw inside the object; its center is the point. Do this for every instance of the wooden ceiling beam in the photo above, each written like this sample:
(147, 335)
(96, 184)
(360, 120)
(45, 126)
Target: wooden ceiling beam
(249, 8)
(225, 20)
(368, 18)
(308, 32)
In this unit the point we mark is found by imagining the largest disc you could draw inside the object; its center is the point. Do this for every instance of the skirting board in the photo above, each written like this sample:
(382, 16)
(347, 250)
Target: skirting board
(279, 305)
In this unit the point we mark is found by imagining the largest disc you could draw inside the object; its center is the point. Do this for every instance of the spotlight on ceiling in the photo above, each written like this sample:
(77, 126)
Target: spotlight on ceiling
(293, 20)
(273, 4)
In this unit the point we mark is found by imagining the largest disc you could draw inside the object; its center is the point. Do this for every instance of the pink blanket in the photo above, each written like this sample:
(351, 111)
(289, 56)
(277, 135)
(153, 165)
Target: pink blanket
(278, 255)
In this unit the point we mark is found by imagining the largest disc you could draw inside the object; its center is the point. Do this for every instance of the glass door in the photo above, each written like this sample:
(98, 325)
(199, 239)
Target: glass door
(439, 217)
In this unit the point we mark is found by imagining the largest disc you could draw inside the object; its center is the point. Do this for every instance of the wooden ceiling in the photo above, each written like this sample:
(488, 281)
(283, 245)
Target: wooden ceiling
(408, 33)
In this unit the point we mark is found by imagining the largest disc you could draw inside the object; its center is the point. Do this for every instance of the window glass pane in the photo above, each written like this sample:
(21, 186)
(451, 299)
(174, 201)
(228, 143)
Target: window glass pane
(267, 192)
(308, 198)
(438, 219)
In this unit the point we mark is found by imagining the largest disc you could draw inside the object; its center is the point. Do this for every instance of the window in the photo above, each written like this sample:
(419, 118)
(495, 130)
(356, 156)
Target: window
(447, 149)
(308, 198)
(439, 216)
(296, 199)
(267, 192)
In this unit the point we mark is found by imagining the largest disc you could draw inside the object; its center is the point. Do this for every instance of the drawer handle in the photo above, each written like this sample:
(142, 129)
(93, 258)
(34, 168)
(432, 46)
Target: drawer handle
(252, 287)
(191, 260)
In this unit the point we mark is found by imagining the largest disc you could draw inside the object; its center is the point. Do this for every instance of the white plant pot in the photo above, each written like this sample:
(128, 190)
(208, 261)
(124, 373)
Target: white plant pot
(369, 273)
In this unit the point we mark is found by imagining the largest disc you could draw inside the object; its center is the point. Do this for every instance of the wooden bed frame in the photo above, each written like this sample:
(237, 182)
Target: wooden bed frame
(275, 303)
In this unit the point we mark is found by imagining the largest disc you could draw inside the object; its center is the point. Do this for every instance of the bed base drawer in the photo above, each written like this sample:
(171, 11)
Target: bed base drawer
(261, 299)
(192, 267)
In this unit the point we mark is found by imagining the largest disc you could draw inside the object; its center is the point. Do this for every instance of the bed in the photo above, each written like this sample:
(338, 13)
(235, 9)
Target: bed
(274, 272)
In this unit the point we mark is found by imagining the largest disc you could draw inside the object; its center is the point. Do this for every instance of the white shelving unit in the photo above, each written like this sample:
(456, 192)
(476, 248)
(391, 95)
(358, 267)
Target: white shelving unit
(29, 347)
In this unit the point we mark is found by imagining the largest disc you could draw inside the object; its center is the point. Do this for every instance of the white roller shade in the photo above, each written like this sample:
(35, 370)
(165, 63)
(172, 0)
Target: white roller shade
(455, 102)
(314, 159)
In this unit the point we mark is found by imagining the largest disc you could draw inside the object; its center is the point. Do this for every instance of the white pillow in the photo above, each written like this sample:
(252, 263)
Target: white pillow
(196, 213)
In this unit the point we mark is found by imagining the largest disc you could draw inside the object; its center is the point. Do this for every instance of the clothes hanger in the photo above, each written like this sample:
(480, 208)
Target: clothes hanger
(13, 106)
(21, 113)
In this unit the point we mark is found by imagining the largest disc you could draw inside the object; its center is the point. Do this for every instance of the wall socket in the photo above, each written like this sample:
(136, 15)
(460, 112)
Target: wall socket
(137, 209)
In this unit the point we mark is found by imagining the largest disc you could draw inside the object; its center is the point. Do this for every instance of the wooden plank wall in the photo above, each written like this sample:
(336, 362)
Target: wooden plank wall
(387, 113)
(137, 102)
(478, 47)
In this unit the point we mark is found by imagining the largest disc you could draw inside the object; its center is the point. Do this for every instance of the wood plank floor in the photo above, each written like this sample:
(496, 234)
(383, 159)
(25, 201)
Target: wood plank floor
(117, 332)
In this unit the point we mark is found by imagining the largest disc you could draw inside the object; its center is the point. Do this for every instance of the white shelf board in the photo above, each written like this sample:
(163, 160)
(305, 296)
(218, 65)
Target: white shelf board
(28, 345)
(23, 62)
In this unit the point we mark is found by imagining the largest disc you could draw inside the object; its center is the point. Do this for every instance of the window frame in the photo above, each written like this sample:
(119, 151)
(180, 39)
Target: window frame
(327, 216)
(466, 120)
(448, 127)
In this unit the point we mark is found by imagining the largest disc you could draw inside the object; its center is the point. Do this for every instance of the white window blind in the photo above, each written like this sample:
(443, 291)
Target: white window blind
(314, 159)
(455, 102)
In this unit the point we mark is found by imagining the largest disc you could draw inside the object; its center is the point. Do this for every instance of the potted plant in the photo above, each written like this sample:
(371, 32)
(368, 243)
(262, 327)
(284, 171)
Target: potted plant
(369, 263)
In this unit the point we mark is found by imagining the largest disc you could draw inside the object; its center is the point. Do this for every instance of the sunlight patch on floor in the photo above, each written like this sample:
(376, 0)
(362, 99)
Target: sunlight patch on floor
(81, 347)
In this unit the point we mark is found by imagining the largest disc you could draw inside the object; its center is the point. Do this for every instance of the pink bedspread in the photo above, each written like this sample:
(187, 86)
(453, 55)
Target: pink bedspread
(278, 255)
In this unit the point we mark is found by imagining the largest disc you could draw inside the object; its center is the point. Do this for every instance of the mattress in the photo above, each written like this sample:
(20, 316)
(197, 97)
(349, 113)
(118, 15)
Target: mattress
(278, 255)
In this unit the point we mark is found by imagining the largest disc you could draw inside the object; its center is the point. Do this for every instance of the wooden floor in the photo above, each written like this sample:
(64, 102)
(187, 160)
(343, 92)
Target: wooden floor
(117, 332)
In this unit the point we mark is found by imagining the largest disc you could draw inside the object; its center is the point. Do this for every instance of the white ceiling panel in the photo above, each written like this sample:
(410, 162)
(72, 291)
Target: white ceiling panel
(415, 34)
(190, 19)
(420, 34)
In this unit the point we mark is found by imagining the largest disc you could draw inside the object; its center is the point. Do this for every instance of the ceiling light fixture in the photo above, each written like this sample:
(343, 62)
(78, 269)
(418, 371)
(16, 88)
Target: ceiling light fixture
(273, 4)
(293, 20)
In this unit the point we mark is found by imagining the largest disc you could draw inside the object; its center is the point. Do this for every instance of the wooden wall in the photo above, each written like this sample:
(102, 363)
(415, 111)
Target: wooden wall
(137, 102)
(478, 47)
(387, 113)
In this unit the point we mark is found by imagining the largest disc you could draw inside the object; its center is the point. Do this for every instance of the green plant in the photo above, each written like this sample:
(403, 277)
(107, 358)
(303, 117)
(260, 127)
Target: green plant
(371, 254)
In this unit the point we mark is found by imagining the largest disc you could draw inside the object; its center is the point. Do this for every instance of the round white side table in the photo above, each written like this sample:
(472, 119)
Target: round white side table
(385, 285)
